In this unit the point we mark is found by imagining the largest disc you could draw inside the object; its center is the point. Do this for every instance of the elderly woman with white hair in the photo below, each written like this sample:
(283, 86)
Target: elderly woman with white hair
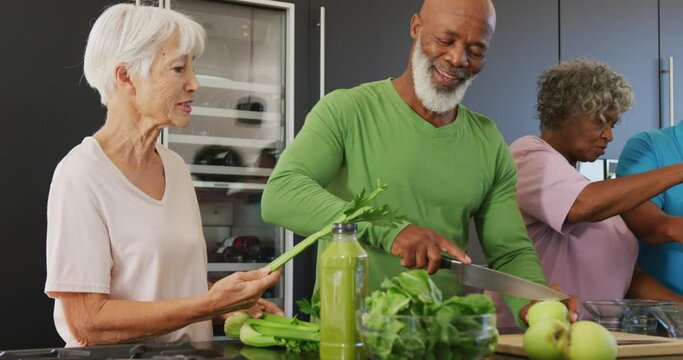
(126, 257)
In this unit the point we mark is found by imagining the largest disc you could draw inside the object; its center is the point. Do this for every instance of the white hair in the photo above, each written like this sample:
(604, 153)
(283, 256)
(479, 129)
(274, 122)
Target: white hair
(132, 35)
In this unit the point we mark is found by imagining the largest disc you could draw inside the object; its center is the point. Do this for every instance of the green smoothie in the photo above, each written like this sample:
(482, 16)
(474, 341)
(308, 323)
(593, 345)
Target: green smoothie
(343, 288)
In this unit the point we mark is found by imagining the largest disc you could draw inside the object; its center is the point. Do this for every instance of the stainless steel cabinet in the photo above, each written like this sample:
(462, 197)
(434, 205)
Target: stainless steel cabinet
(242, 118)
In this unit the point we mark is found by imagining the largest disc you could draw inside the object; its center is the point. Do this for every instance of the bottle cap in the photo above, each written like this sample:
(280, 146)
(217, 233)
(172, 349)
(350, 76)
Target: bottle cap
(339, 228)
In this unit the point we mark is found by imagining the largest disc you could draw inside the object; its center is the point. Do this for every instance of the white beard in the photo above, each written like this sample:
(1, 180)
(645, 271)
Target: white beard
(432, 98)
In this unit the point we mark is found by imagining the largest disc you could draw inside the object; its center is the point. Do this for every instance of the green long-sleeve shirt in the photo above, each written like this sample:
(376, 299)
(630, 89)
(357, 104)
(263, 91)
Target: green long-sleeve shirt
(438, 178)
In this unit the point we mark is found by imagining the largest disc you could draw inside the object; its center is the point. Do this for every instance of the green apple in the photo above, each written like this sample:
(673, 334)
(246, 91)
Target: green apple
(547, 310)
(589, 340)
(546, 340)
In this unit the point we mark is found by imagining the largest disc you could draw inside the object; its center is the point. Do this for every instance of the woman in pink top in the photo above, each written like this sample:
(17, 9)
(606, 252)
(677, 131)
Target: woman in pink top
(584, 245)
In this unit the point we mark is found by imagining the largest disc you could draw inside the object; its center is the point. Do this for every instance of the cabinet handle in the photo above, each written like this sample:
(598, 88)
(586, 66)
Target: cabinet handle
(671, 91)
(322, 51)
(670, 71)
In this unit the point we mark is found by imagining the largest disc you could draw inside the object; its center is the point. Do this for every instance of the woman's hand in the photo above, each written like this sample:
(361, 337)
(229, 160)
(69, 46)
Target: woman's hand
(243, 290)
(262, 306)
(571, 303)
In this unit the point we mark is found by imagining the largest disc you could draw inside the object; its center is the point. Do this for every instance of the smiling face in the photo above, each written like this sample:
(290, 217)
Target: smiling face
(585, 137)
(451, 41)
(166, 95)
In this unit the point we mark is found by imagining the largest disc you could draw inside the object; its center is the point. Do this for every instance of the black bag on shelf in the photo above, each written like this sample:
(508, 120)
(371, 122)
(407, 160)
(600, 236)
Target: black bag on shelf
(218, 155)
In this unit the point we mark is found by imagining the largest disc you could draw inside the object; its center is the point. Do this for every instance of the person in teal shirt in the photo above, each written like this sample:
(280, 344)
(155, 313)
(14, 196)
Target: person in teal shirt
(444, 163)
(659, 222)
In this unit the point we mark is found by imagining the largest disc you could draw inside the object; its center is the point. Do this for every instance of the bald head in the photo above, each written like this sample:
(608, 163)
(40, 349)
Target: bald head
(450, 43)
(481, 11)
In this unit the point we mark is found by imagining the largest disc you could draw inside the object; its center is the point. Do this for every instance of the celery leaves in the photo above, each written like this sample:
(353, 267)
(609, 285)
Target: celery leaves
(358, 210)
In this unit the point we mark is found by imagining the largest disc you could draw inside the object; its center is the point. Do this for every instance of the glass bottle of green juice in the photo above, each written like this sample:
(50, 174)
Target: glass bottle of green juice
(343, 288)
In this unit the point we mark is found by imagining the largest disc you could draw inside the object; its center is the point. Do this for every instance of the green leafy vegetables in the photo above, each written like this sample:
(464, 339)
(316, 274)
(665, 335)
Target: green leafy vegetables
(274, 331)
(358, 210)
(409, 320)
(311, 308)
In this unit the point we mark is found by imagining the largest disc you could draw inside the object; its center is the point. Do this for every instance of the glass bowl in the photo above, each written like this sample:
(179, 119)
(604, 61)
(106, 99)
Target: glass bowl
(627, 315)
(671, 318)
(416, 337)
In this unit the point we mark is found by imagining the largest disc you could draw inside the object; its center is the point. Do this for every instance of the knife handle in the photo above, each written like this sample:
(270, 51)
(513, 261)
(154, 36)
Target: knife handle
(453, 265)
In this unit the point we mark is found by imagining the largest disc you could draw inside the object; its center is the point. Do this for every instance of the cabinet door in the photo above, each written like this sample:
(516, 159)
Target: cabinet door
(670, 33)
(524, 44)
(623, 34)
(364, 40)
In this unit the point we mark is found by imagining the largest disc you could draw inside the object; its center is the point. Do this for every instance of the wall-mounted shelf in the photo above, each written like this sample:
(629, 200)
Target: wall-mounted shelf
(231, 113)
(222, 83)
(215, 140)
(229, 170)
(228, 185)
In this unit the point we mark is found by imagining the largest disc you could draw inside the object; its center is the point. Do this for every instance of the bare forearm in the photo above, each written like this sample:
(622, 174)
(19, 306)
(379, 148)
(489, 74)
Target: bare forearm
(648, 222)
(603, 199)
(644, 286)
(117, 321)
(96, 319)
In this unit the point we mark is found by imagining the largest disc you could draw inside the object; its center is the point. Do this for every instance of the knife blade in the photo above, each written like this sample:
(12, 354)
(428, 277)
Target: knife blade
(505, 284)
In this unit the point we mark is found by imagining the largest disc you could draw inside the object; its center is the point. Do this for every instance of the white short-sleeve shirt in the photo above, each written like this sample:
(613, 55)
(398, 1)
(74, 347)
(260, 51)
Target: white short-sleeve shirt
(105, 235)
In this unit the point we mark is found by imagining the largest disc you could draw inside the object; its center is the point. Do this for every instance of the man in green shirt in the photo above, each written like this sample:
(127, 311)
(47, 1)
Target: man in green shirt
(444, 163)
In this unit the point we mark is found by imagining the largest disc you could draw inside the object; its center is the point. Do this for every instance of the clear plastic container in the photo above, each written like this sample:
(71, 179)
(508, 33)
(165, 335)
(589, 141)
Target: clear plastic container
(626, 315)
(671, 318)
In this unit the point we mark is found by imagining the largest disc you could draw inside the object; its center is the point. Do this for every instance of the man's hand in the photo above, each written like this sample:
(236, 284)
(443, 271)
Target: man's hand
(571, 303)
(421, 247)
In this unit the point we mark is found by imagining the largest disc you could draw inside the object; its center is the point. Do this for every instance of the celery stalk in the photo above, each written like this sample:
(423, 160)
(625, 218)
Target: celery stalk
(284, 331)
(358, 210)
(251, 337)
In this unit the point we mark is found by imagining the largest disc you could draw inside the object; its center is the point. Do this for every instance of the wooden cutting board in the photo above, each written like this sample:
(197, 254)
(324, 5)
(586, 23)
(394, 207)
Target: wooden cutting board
(512, 344)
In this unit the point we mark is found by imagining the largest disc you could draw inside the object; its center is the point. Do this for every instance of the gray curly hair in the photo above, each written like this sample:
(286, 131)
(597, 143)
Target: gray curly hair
(580, 87)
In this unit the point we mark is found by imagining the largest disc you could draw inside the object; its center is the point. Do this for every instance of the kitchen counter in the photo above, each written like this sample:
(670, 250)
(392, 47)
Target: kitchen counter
(235, 350)
(220, 349)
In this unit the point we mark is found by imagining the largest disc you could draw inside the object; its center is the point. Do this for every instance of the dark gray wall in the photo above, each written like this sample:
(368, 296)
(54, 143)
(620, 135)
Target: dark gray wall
(525, 43)
(624, 34)
(47, 109)
(366, 40)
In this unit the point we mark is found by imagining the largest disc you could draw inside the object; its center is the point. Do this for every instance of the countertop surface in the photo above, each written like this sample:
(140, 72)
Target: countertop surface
(232, 349)
(216, 350)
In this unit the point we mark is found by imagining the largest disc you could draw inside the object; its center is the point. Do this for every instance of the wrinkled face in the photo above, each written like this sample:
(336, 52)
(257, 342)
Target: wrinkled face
(451, 41)
(586, 136)
(166, 95)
